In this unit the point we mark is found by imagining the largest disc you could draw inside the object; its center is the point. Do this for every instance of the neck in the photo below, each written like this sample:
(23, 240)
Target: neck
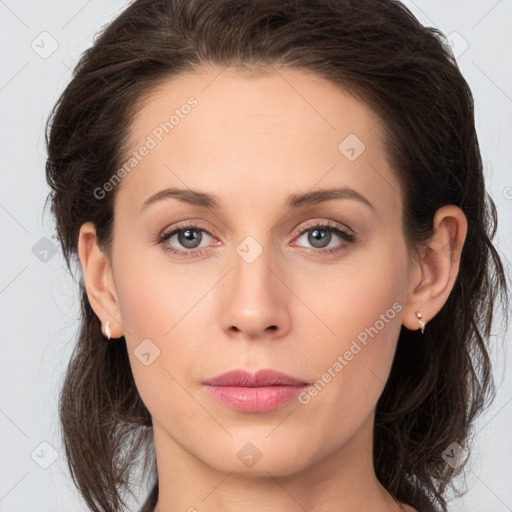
(341, 480)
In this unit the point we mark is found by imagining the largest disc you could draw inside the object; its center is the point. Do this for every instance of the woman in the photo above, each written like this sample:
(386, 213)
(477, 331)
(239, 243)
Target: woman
(287, 275)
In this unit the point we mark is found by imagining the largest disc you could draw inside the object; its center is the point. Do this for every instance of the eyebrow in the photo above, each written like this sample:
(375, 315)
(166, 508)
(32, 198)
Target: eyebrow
(293, 201)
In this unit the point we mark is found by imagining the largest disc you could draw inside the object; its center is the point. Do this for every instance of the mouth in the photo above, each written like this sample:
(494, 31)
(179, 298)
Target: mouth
(262, 391)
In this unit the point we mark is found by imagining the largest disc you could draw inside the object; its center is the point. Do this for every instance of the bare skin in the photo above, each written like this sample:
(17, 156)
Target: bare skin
(252, 142)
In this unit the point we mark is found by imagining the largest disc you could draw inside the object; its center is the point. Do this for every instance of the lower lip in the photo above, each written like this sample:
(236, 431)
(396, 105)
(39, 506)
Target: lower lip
(254, 399)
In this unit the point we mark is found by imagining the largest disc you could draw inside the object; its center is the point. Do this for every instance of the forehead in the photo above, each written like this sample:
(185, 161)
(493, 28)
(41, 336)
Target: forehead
(248, 139)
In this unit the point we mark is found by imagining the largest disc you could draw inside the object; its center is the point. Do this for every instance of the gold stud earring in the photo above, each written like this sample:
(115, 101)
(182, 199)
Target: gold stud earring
(107, 330)
(419, 316)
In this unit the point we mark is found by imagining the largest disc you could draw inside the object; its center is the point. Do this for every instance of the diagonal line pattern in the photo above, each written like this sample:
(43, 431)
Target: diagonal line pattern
(13, 217)
(13, 13)
(494, 416)
(423, 12)
(14, 76)
(14, 423)
(216, 486)
(198, 301)
(76, 14)
(214, 78)
(376, 376)
(387, 181)
(301, 300)
(286, 417)
(303, 98)
(286, 491)
(492, 81)
(197, 401)
(13, 279)
(491, 491)
(5, 495)
(486, 14)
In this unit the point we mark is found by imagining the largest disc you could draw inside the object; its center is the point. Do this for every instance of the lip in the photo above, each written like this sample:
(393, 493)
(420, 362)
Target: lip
(262, 391)
(267, 377)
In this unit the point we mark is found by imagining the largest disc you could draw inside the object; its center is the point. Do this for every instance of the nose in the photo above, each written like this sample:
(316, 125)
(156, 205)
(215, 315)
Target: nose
(255, 297)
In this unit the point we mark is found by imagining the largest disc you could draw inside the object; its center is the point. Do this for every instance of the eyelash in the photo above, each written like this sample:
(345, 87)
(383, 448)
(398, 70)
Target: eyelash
(162, 239)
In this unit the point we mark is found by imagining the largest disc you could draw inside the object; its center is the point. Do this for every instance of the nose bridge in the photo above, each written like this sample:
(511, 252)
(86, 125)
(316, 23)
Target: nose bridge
(252, 277)
(255, 299)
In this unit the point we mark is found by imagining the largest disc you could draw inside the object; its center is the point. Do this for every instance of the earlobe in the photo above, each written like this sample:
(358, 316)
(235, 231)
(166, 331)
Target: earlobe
(99, 284)
(437, 268)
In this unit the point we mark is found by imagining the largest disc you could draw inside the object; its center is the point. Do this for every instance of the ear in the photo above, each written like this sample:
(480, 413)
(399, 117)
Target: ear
(435, 271)
(98, 280)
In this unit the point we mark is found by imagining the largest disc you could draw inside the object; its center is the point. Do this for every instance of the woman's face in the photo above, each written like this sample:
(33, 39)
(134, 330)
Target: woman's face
(246, 289)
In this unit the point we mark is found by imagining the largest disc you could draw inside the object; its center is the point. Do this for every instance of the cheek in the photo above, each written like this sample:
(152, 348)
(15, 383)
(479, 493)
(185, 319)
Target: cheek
(359, 299)
(150, 295)
(364, 325)
(361, 305)
(160, 307)
(153, 313)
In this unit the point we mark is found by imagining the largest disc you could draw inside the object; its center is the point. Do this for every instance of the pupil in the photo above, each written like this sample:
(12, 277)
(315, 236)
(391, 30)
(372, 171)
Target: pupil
(188, 236)
(318, 237)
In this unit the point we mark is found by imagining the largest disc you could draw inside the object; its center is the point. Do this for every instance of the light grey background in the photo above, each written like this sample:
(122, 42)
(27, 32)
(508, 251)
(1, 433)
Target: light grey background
(38, 299)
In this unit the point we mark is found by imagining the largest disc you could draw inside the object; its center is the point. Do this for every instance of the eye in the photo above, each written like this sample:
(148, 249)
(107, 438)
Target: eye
(320, 235)
(188, 235)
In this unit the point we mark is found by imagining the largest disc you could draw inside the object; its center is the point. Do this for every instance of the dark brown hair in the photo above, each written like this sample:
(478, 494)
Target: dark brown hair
(377, 50)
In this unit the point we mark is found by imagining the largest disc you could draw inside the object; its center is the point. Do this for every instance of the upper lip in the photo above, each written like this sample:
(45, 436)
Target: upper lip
(266, 377)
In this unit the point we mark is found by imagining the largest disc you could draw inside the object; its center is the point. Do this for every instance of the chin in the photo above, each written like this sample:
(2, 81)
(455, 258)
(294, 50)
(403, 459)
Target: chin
(259, 458)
